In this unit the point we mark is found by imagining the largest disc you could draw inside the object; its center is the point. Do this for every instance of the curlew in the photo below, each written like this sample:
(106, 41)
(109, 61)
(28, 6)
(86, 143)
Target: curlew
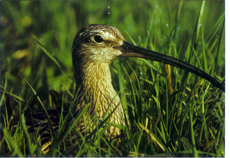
(94, 48)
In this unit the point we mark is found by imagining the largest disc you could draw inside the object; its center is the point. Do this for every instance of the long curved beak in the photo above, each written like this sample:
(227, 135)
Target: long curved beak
(129, 50)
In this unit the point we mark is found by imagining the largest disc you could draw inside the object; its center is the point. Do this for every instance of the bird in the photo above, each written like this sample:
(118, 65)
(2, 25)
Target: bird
(94, 48)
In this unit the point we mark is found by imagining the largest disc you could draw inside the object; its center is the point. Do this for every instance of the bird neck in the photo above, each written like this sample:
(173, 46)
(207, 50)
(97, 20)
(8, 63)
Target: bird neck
(94, 76)
(93, 82)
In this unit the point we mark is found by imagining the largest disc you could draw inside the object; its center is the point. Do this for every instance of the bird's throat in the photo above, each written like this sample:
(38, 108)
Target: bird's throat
(96, 89)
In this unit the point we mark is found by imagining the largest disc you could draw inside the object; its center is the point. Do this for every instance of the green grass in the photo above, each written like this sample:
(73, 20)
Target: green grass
(184, 118)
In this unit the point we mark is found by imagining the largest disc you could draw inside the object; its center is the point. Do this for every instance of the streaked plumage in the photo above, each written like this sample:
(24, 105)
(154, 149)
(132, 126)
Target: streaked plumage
(91, 59)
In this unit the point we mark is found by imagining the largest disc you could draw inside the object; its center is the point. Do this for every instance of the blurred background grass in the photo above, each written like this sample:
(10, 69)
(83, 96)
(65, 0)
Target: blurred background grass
(169, 27)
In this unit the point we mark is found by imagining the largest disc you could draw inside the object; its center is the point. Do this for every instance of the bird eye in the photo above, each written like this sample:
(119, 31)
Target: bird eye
(98, 39)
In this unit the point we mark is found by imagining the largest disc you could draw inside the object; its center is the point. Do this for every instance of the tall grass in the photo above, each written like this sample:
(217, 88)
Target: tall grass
(171, 112)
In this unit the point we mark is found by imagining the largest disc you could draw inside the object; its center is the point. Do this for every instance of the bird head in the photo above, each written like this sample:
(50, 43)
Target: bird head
(96, 42)
(99, 43)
